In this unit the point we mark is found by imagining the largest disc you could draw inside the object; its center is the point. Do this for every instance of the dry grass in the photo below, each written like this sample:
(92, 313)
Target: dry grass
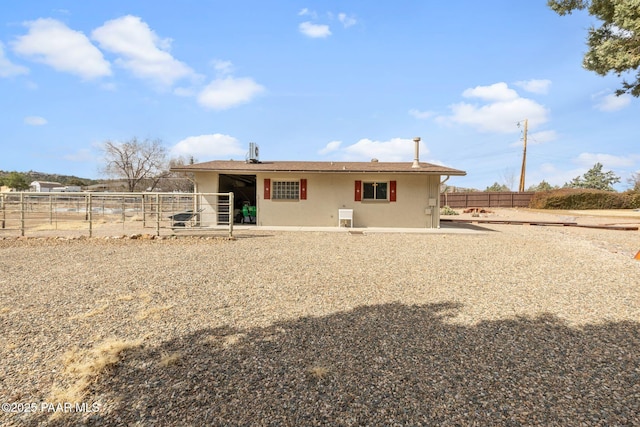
(4, 310)
(153, 312)
(91, 313)
(168, 359)
(62, 225)
(125, 298)
(318, 372)
(145, 297)
(82, 367)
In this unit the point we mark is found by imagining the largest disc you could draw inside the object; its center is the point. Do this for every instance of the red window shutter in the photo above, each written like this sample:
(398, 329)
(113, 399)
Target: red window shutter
(267, 188)
(358, 197)
(303, 189)
(392, 191)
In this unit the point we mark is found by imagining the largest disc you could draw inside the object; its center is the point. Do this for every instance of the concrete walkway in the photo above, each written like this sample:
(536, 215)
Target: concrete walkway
(444, 229)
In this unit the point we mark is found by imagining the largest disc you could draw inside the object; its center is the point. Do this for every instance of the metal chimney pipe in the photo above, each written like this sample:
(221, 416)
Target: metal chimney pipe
(416, 157)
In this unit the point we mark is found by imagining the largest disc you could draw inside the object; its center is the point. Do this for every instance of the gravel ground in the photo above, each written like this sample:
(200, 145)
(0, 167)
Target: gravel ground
(519, 325)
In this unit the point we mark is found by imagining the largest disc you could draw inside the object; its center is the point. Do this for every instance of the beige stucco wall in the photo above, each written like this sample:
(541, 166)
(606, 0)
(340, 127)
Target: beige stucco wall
(326, 193)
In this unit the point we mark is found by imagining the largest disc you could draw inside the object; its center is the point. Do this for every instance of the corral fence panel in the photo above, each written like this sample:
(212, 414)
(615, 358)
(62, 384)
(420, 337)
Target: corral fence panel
(486, 199)
(56, 213)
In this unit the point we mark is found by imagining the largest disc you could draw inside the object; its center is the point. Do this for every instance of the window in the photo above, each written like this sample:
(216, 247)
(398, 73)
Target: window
(380, 191)
(374, 191)
(285, 190)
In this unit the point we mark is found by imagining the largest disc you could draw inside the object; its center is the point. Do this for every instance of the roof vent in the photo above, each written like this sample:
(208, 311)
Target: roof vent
(254, 153)
(416, 157)
(374, 160)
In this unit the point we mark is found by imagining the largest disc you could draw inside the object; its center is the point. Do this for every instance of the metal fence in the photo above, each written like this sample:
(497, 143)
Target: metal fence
(51, 214)
(484, 199)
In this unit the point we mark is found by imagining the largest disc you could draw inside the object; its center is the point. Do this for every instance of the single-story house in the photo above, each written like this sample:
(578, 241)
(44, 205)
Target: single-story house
(307, 193)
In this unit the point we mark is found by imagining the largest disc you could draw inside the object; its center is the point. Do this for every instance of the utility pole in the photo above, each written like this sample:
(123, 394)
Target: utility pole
(524, 157)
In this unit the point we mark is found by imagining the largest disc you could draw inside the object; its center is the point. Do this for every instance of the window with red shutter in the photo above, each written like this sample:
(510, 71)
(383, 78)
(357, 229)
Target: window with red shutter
(358, 189)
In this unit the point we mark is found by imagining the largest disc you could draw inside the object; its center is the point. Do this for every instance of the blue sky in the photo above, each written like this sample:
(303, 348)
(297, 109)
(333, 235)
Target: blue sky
(311, 80)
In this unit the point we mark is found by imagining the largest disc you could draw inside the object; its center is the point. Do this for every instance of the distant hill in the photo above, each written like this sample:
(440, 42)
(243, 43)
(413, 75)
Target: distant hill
(62, 179)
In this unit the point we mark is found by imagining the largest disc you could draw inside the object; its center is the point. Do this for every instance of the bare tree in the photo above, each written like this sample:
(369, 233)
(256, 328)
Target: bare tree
(180, 181)
(508, 178)
(136, 161)
(634, 181)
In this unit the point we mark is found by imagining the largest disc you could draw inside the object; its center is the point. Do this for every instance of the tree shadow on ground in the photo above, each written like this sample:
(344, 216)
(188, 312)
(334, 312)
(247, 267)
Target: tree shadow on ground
(383, 365)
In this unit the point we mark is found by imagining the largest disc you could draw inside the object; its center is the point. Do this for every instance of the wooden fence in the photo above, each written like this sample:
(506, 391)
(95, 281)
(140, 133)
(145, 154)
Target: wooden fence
(485, 199)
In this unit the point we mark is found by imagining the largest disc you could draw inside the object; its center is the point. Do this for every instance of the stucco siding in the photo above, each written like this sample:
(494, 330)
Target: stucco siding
(326, 193)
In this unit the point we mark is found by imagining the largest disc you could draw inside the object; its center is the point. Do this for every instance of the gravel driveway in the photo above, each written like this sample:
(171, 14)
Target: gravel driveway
(519, 325)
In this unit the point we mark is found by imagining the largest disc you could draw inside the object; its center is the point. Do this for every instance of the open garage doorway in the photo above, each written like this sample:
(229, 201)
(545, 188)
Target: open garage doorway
(243, 188)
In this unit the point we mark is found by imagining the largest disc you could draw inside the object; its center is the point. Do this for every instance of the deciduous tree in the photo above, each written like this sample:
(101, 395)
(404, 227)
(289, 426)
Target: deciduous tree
(15, 180)
(615, 45)
(136, 161)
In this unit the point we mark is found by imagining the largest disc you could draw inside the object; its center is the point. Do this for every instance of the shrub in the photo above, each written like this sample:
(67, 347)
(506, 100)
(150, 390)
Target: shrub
(585, 199)
(446, 210)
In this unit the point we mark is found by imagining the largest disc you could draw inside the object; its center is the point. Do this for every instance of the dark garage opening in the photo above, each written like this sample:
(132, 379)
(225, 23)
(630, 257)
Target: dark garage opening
(243, 188)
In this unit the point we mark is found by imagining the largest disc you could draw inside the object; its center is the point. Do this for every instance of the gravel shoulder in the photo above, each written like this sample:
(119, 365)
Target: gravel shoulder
(519, 325)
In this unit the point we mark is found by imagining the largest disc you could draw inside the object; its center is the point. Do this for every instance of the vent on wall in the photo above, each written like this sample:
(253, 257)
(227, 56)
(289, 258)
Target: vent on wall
(254, 153)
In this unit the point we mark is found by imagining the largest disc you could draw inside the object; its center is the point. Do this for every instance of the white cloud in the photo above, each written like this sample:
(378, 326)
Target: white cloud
(223, 67)
(7, 68)
(213, 146)
(35, 121)
(535, 86)
(422, 115)
(611, 102)
(141, 50)
(229, 92)
(312, 30)
(495, 92)
(347, 21)
(331, 147)
(53, 43)
(307, 12)
(393, 150)
(607, 160)
(505, 108)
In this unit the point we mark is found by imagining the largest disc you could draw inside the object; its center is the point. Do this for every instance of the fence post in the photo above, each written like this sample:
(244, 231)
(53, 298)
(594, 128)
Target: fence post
(22, 213)
(90, 214)
(3, 202)
(144, 212)
(157, 214)
(231, 205)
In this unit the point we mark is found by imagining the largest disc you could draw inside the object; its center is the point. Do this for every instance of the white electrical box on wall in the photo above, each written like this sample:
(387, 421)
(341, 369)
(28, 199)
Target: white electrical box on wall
(433, 202)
